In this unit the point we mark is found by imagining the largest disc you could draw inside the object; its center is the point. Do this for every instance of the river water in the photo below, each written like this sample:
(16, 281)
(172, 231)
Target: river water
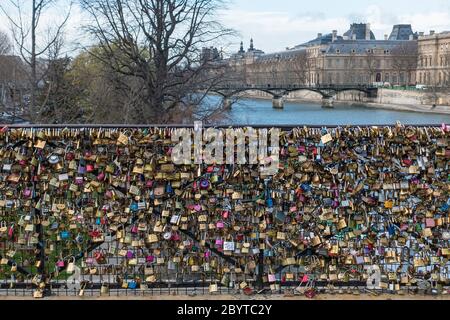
(258, 111)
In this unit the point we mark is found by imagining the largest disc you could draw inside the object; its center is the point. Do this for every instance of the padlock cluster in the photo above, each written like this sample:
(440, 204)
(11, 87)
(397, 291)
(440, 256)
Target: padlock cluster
(345, 201)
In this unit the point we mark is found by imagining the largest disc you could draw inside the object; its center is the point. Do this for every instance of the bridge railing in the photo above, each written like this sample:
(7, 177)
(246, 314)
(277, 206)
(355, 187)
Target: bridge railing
(103, 208)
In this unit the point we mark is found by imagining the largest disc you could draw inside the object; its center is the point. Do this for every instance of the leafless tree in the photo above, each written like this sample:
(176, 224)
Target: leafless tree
(351, 65)
(301, 67)
(371, 62)
(404, 60)
(33, 41)
(5, 44)
(158, 43)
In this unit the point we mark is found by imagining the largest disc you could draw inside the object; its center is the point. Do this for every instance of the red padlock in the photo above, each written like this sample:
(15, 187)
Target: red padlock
(70, 156)
(89, 168)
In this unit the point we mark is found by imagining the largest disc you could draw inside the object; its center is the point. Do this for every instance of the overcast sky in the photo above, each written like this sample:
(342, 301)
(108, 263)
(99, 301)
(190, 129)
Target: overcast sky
(277, 24)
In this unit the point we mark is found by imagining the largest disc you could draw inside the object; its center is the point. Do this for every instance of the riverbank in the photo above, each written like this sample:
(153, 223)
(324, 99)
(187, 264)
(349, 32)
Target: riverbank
(395, 100)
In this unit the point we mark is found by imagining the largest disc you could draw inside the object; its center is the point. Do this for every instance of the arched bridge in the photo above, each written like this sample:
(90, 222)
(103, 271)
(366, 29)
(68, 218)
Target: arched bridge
(279, 92)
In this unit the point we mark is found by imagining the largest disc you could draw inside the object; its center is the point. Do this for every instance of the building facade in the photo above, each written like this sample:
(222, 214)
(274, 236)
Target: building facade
(434, 59)
(356, 57)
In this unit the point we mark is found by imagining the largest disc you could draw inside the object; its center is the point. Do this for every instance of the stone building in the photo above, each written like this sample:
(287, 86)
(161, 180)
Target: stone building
(434, 59)
(356, 57)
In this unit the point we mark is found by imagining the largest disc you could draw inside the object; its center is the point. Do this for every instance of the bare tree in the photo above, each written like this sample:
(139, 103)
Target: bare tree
(33, 42)
(351, 65)
(5, 44)
(158, 43)
(404, 60)
(301, 67)
(371, 64)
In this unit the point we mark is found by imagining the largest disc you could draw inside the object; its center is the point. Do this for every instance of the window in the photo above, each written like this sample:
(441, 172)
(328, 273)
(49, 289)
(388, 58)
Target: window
(394, 78)
(402, 78)
(386, 77)
(353, 50)
(338, 51)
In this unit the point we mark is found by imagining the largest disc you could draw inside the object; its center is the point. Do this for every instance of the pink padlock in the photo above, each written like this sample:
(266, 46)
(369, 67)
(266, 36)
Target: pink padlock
(219, 242)
(101, 176)
(150, 259)
(27, 193)
(225, 214)
(89, 168)
(219, 224)
(134, 229)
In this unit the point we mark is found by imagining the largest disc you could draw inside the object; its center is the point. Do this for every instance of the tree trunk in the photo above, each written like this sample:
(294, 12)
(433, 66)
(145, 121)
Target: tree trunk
(33, 63)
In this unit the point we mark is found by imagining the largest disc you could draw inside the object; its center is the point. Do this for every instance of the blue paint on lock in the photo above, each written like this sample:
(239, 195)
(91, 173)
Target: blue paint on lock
(79, 239)
(270, 203)
(306, 187)
(445, 207)
(132, 285)
(169, 188)
(391, 230)
(268, 253)
(65, 235)
(134, 207)
(98, 221)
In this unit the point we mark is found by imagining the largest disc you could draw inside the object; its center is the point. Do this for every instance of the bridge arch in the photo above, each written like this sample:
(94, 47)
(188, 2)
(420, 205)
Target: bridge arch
(227, 94)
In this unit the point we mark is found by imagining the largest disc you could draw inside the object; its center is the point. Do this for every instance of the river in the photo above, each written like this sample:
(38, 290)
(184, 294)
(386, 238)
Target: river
(259, 111)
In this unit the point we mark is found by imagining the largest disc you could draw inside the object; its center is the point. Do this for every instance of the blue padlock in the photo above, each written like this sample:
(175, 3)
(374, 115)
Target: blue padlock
(391, 230)
(132, 285)
(268, 253)
(134, 207)
(270, 203)
(64, 235)
(306, 187)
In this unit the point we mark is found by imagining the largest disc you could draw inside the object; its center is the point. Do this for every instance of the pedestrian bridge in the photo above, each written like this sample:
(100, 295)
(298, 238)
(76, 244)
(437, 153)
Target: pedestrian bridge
(278, 92)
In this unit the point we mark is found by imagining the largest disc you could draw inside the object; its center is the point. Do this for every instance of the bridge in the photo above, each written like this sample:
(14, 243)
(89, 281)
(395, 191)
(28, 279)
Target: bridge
(278, 92)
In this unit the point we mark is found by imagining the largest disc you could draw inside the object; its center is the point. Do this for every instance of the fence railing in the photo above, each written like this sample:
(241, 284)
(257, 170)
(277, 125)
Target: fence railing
(102, 209)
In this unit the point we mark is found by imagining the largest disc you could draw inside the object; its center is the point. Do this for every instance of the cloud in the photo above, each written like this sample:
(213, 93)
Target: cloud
(274, 30)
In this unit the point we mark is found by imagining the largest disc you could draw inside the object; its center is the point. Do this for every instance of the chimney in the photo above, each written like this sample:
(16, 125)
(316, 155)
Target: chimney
(334, 35)
(386, 37)
(367, 31)
(353, 36)
(319, 35)
(421, 34)
(411, 37)
(431, 32)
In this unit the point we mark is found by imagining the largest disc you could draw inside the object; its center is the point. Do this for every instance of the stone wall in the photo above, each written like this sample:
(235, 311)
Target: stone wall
(386, 97)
